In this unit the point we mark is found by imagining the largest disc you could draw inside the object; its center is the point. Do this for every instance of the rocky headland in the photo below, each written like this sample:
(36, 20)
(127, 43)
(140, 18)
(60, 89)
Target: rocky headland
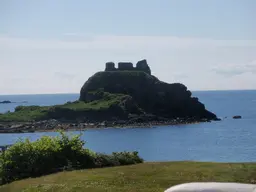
(117, 97)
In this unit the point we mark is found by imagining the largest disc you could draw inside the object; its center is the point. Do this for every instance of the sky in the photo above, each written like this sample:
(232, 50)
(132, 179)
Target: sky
(55, 46)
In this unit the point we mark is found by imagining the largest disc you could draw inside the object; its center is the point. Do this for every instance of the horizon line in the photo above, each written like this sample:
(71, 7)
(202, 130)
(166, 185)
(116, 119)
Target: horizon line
(65, 93)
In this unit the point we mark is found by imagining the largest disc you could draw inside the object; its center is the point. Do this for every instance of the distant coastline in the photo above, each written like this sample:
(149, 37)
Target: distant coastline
(5, 102)
(9, 102)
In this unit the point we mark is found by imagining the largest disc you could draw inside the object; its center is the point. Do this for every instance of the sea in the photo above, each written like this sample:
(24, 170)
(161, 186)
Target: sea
(229, 140)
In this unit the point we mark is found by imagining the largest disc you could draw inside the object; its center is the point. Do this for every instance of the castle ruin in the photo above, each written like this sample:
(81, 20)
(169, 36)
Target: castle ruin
(127, 66)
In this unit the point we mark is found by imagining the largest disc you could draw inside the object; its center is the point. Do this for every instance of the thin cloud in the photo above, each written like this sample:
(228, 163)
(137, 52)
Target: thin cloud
(64, 76)
(74, 58)
(235, 69)
(87, 42)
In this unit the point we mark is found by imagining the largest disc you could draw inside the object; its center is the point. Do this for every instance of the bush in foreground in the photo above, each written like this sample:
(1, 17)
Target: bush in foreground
(52, 154)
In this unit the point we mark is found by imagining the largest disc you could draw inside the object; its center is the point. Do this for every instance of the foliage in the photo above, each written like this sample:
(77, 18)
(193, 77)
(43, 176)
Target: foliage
(52, 154)
(127, 158)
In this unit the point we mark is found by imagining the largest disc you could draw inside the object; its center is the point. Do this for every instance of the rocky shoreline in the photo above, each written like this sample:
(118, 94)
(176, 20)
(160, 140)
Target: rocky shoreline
(54, 125)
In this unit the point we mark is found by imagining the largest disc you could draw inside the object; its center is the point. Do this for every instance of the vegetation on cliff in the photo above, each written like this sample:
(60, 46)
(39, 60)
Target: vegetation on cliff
(106, 106)
(52, 154)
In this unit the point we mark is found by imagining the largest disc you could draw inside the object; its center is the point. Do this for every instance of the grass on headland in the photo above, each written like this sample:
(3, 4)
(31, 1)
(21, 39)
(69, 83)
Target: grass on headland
(35, 113)
(104, 101)
(146, 177)
(25, 113)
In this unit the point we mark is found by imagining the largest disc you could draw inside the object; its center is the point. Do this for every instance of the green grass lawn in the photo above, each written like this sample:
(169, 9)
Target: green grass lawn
(146, 177)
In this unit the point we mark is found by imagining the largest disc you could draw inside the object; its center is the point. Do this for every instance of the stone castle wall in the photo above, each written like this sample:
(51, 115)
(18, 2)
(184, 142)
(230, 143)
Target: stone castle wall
(128, 66)
(125, 66)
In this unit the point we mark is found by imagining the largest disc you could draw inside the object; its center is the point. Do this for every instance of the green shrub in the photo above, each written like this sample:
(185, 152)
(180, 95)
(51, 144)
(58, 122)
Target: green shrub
(52, 154)
(1, 168)
(46, 155)
(116, 159)
(127, 158)
(103, 160)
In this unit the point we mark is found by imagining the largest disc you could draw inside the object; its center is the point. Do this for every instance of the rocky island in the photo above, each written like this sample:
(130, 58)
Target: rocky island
(122, 96)
(5, 102)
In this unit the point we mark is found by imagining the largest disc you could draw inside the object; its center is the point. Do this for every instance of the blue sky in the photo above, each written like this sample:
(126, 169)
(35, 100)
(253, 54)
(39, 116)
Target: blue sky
(55, 46)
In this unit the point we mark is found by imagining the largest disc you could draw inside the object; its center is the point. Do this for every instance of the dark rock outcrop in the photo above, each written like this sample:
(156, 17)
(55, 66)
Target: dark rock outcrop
(149, 93)
(237, 117)
(5, 102)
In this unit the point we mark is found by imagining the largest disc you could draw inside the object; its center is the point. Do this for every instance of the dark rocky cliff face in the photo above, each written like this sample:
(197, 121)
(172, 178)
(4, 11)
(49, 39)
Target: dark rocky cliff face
(152, 95)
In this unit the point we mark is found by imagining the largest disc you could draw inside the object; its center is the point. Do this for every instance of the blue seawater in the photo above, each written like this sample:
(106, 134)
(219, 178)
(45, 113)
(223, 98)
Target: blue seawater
(228, 140)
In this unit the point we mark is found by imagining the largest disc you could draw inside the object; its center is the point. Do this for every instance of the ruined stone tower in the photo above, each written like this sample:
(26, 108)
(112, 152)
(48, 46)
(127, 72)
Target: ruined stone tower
(143, 66)
(128, 66)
